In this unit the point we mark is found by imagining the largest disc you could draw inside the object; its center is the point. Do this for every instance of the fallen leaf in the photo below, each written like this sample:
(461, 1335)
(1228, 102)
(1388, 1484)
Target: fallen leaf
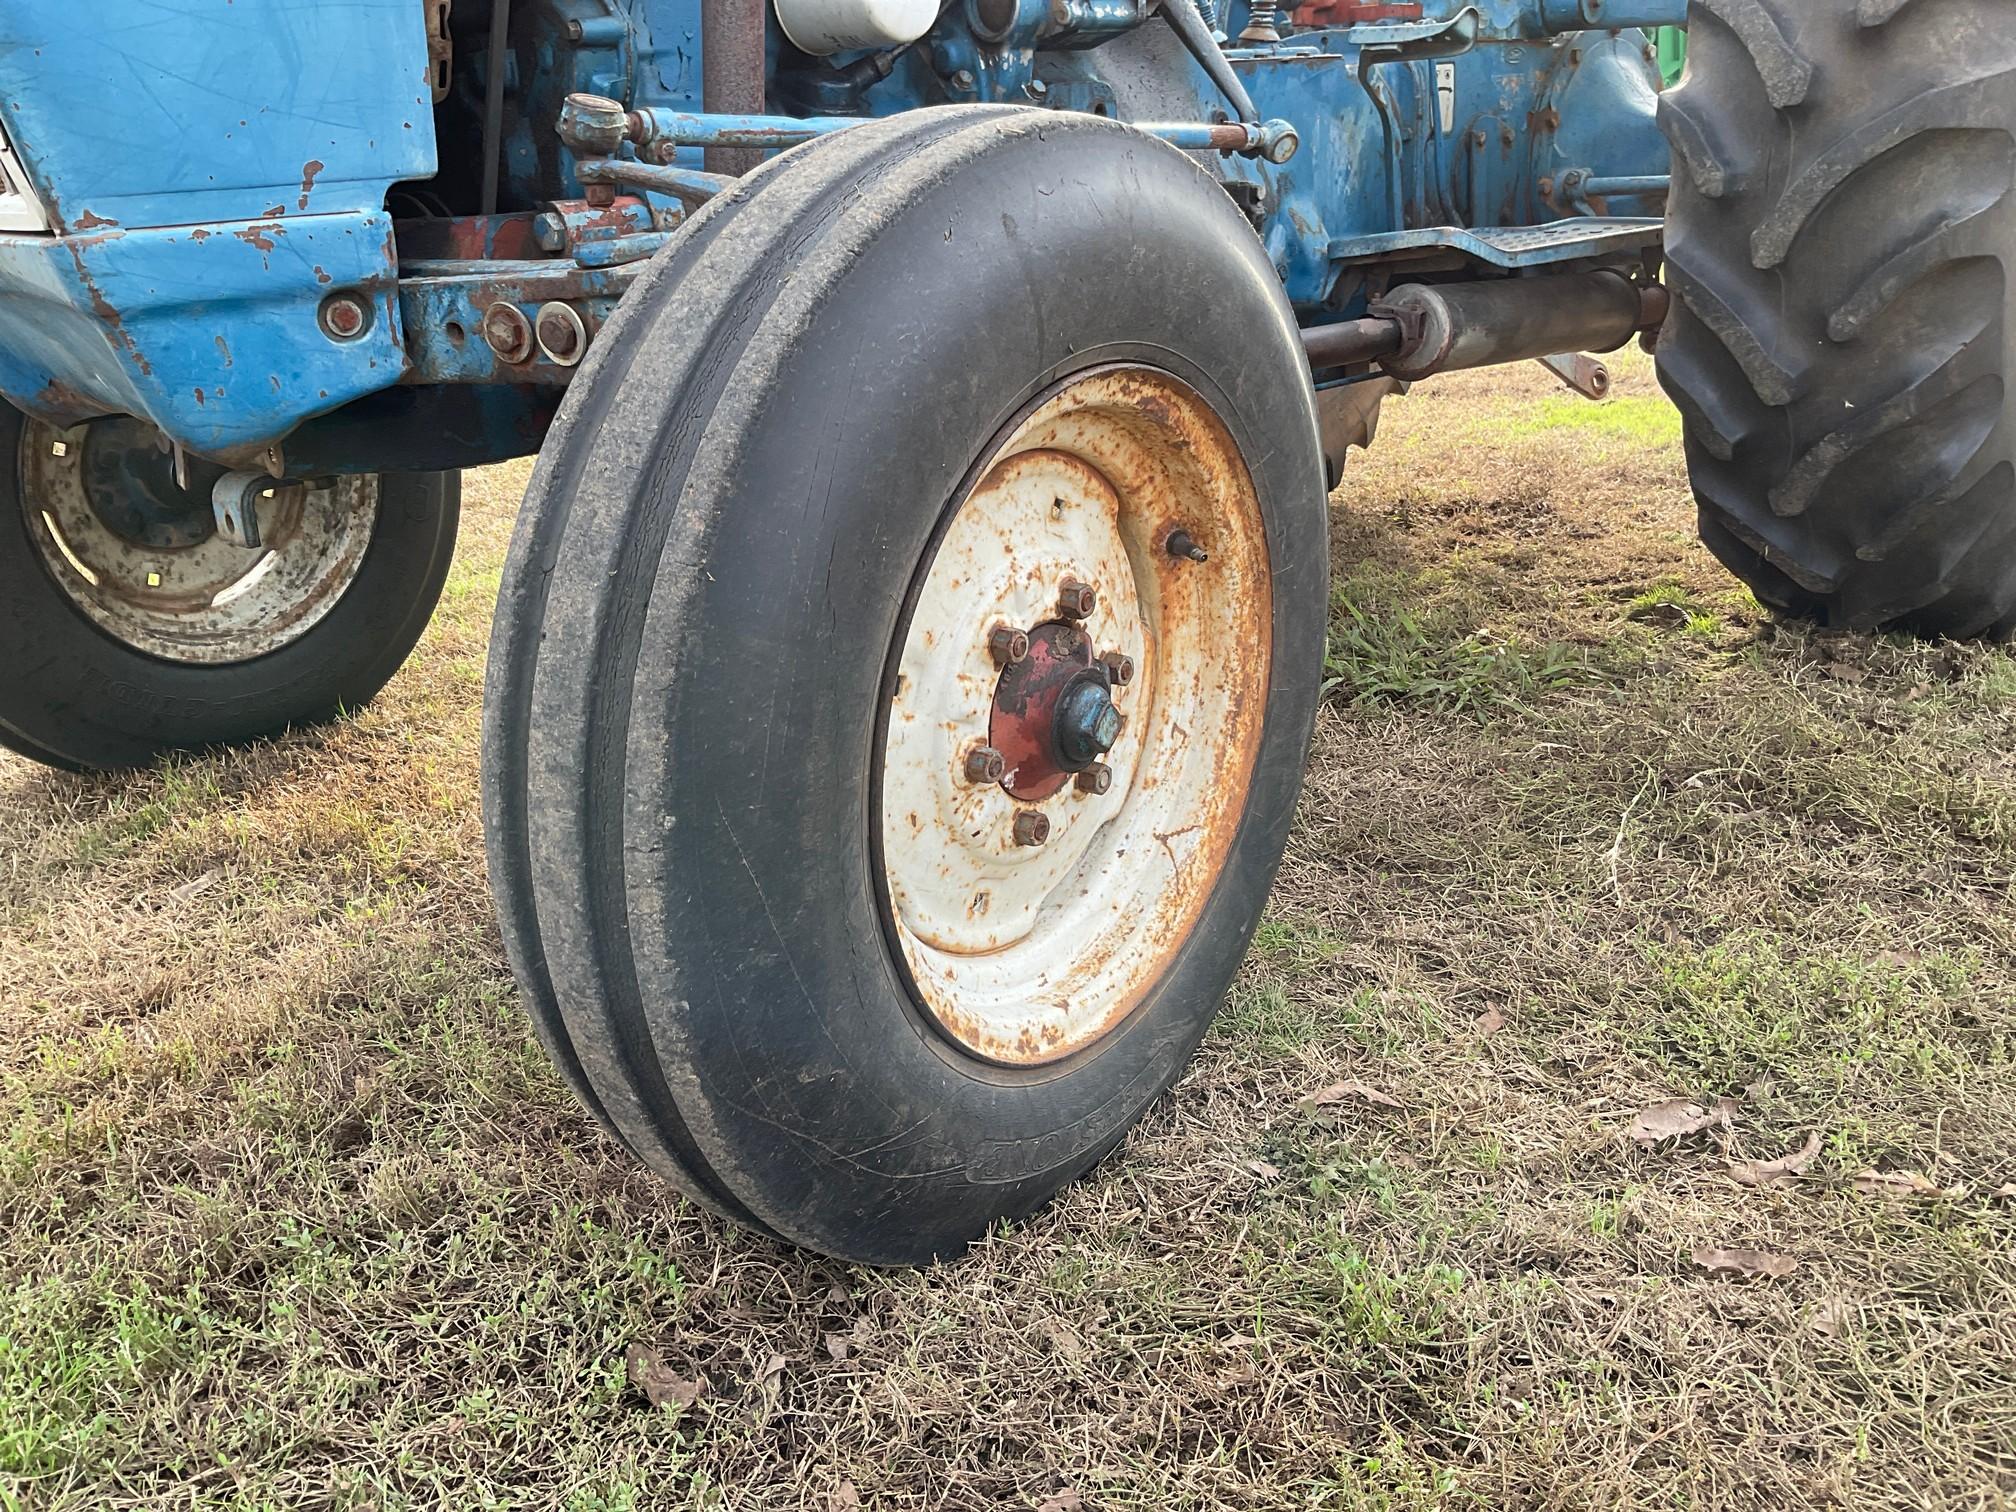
(1745, 1262)
(1829, 1319)
(1490, 1021)
(1266, 1170)
(1897, 1184)
(2007, 1191)
(1678, 1117)
(649, 1373)
(1846, 672)
(837, 1344)
(1344, 1091)
(194, 886)
(1782, 1172)
(1063, 1501)
(845, 1498)
(773, 1368)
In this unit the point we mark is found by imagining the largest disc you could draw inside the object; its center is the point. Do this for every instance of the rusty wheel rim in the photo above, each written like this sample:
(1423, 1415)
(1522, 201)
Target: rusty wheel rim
(192, 596)
(1036, 895)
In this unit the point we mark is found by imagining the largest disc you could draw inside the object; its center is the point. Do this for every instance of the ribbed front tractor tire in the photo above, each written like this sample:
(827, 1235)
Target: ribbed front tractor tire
(924, 436)
(1839, 239)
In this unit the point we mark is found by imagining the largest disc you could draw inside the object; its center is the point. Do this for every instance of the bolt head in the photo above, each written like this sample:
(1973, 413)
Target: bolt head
(963, 79)
(1076, 600)
(1097, 779)
(1031, 827)
(1119, 668)
(344, 316)
(985, 764)
(558, 334)
(1007, 645)
(508, 331)
(550, 231)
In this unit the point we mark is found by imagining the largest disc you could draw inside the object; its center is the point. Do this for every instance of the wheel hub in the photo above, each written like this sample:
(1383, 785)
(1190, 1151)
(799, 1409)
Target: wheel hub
(1053, 714)
(1056, 799)
(141, 556)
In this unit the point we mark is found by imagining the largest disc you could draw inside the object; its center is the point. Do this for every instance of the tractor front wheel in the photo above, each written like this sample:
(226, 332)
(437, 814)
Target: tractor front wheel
(904, 671)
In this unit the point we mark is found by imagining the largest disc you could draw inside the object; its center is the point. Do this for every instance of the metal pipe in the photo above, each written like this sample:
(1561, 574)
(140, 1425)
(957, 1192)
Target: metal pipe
(688, 185)
(654, 128)
(1450, 327)
(1614, 15)
(731, 74)
(1605, 188)
(1184, 20)
(1423, 329)
(493, 101)
(1351, 341)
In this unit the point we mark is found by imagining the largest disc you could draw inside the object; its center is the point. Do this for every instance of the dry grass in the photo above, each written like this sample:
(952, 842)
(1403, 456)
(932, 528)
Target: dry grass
(295, 1215)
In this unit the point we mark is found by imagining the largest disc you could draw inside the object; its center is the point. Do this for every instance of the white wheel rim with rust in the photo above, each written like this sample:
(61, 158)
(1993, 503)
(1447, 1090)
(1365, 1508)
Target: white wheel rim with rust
(1028, 953)
(208, 603)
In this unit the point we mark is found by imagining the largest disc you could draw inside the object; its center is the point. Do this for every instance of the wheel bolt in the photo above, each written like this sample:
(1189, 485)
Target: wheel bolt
(1096, 779)
(1119, 668)
(1181, 545)
(1076, 600)
(1031, 827)
(1007, 645)
(985, 764)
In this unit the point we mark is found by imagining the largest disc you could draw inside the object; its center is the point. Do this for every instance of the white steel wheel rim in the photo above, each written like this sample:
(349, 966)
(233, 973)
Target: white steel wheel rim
(1025, 954)
(210, 603)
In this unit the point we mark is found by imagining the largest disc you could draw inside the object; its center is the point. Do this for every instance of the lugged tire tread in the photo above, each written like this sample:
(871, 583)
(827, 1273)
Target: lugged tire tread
(1870, 332)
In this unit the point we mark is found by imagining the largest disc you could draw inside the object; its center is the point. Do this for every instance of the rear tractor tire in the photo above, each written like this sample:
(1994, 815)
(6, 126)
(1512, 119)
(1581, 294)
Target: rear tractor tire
(904, 670)
(1839, 241)
(131, 627)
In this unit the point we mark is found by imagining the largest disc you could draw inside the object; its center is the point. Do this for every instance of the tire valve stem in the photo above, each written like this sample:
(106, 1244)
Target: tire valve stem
(1031, 827)
(1184, 547)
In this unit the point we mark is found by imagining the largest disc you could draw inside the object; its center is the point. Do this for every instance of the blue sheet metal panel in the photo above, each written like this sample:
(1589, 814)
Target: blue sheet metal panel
(211, 332)
(180, 112)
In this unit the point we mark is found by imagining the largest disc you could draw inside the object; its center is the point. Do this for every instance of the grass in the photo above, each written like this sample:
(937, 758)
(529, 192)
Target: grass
(293, 1213)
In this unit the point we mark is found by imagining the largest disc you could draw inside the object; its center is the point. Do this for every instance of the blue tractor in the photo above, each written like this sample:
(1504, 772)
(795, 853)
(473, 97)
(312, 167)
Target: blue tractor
(906, 659)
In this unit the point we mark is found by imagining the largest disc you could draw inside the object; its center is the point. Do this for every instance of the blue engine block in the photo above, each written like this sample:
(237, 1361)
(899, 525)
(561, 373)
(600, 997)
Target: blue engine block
(263, 228)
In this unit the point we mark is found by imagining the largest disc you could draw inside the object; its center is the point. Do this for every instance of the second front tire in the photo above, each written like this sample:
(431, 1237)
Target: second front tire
(904, 671)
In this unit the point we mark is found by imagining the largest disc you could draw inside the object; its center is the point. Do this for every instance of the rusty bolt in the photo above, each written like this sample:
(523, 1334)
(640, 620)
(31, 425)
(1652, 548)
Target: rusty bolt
(1119, 668)
(563, 337)
(1096, 779)
(1007, 645)
(345, 316)
(508, 331)
(550, 231)
(985, 764)
(1031, 827)
(1076, 600)
(1184, 548)
(600, 196)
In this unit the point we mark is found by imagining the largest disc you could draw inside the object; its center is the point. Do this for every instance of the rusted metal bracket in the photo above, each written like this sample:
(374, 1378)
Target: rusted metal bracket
(1588, 376)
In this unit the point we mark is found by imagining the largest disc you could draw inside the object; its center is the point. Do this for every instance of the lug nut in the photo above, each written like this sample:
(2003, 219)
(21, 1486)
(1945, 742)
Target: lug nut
(1076, 600)
(1031, 827)
(1007, 645)
(985, 764)
(1119, 668)
(1096, 779)
(1181, 545)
